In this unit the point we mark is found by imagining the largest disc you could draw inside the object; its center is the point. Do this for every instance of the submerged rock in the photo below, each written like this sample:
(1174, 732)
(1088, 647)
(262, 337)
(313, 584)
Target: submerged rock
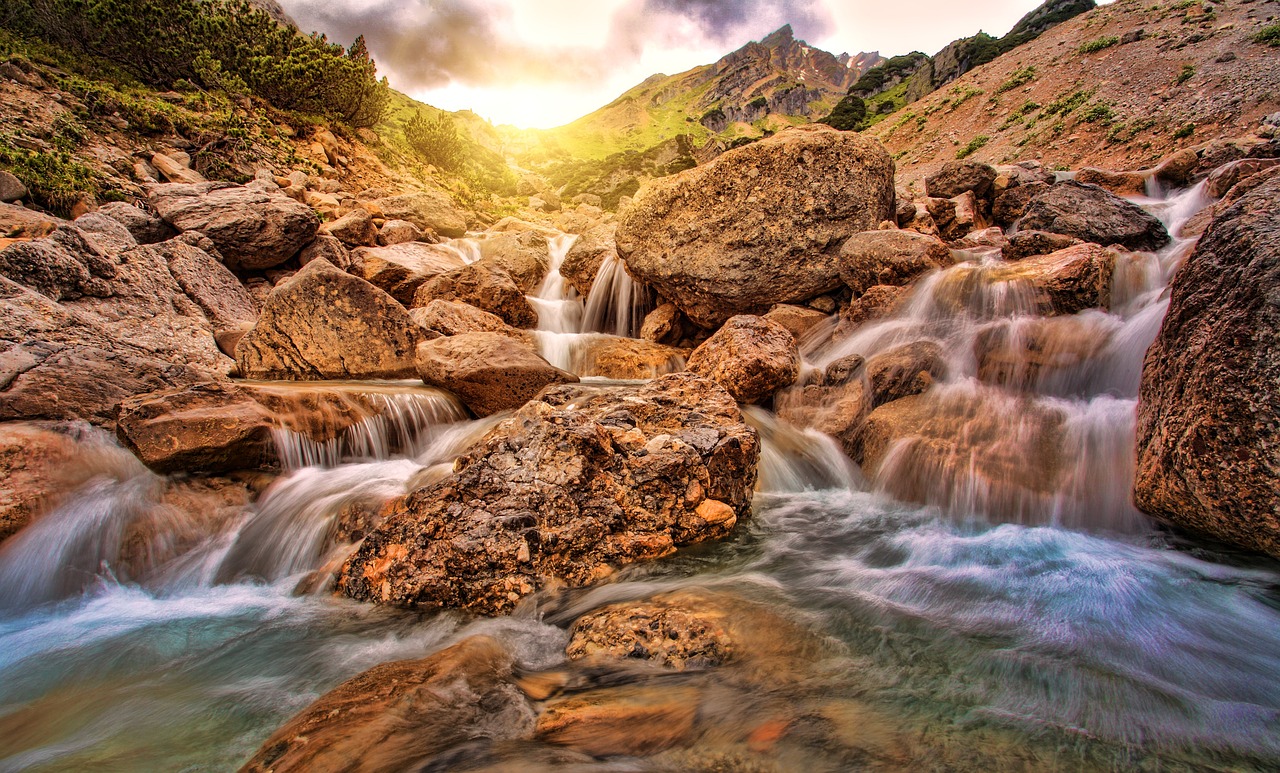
(751, 357)
(1095, 215)
(489, 372)
(1062, 282)
(760, 225)
(1209, 409)
(576, 483)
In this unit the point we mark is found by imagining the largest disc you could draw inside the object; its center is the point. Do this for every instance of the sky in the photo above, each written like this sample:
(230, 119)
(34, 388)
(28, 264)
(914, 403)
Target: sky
(543, 63)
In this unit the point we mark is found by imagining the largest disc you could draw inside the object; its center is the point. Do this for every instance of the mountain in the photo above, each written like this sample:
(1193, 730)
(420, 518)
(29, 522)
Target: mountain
(764, 86)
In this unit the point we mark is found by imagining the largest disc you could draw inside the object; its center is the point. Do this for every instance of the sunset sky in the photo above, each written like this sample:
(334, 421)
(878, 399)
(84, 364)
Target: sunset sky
(543, 63)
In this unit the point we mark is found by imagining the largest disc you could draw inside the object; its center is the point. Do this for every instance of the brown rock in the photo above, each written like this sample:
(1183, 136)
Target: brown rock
(1208, 407)
(22, 223)
(174, 172)
(759, 225)
(330, 249)
(1062, 282)
(489, 372)
(889, 258)
(959, 177)
(64, 266)
(1025, 244)
(401, 269)
(904, 371)
(968, 216)
(1225, 177)
(1093, 214)
(451, 318)
(876, 303)
(326, 324)
(577, 482)
(484, 286)
(980, 240)
(11, 188)
(1012, 204)
(523, 255)
(583, 260)
(750, 357)
(431, 211)
(663, 325)
(626, 358)
(1177, 169)
(32, 462)
(1035, 352)
(399, 232)
(798, 320)
(354, 229)
(635, 721)
(1119, 183)
(144, 228)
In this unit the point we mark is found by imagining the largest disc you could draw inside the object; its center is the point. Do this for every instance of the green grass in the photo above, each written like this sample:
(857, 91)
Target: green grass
(1188, 72)
(55, 179)
(974, 145)
(1068, 102)
(1184, 131)
(1268, 35)
(1098, 44)
(1018, 78)
(1099, 113)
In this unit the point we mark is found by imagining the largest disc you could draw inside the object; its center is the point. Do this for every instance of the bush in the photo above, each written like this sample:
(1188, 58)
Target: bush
(973, 145)
(54, 179)
(1269, 35)
(1098, 44)
(1099, 113)
(1018, 78)
(1188, 72)
(1184, 131)
(847, 114)
(436, 141)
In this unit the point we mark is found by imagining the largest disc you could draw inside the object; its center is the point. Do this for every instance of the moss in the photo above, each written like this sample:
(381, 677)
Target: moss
(1184, 131)
(1188, 72)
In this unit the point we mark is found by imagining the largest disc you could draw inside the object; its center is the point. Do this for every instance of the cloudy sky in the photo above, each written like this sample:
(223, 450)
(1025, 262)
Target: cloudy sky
(542, 63)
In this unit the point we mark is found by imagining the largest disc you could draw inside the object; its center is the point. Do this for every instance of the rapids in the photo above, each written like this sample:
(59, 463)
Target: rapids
(991, 626)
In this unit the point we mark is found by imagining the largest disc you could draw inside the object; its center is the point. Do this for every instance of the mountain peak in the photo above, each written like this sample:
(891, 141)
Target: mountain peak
(780, 37)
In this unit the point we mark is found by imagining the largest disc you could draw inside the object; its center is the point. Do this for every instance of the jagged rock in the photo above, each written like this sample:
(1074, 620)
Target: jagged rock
(663, 325)
(958, 177)
(401, 715)
(1208, 409)
(11, 188)
(578, 482)
(875, 303)
(1012, 204)
(354, 229)
(967, 217)
(889, 258)
(1095, 215)
(489, 372)
(398, 232)
(798, 320)
(751, 357)
(451, 318)
(484, 286)
(1222, 179)
(252, 227)
(431, 211)
(324, 323)
(582, 261)
(523, 255)
(759, 225)
(1119, 183)
(400, 269)
(1025, 244)
(66, 265)
(627, 358)
(330, 249)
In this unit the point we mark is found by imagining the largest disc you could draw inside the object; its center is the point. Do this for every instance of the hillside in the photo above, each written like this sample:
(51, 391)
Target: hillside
(1120, 86)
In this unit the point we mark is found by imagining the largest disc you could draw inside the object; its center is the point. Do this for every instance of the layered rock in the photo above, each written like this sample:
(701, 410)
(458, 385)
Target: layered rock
(522, 254)
(1093, 214)
(485, 286)
(889, 257)
(760, 225)
(451, 318)
(1062, 282)
(751, 357)
(324, 323)
(1209, 406)
(489, 372)
(400, 269)
(254, 226)
(575, 484)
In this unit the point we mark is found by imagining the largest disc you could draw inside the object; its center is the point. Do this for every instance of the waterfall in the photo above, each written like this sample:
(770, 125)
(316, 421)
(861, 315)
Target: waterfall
(617, 304)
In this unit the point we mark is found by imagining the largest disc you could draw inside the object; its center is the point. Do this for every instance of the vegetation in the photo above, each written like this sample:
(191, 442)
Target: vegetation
(960, 95)
(436, 141)
(895, 67)
(55, 180)
(1184, 131)
(1098, 44)
(848, 114)
(974, 144)
(1066, 103)
(223, 45)
(1018, 78)
(1188, 72)
(1268, 35)
(619, 174)
(1099, 113)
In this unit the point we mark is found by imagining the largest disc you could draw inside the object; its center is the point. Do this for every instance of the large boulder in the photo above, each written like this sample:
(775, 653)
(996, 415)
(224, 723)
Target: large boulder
(65, 266)
(451, 318)
(575, 484)
(400, 269)
(589, 251)
(1012, 203)
(1209, 407)
(751, 357)
(489, 372)
(253, 227)
(144, 228)
(324, 323)
(430, 211)
(1093, 214)
(354, 229)
(523, 254)
(889, 257)
(483, 285)
(958, 177)
(762, 224)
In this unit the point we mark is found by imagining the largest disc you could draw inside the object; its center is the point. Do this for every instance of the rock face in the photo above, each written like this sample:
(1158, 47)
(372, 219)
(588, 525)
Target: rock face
(751, 357)
(1209, 406)
(875, 258)
(489, 372)
(397, 716)
(324, 323)
(760, 225)
(400, 269)
(483, 285)
(253, 227)
(1095, 215)
(576, 483)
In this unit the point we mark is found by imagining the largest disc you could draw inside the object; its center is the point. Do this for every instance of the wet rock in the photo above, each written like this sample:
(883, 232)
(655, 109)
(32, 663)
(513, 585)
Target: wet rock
(398, 716)
(798, 320)
(326, 324)
(663, 325)
(1177, 169)
(401, 269)
(759, 225)
(252, 227)
(1062, 282)
(431, 211)
(632, 721)
(1012, 204)
(1025, 244)
(875, 258)
(32, 462)
(979, 240)
(626, 358)
(1093, 214)
(398, 232)
(751, 357)
(578, 482)
(489, 372)
(1208, 408)
(1222, 179)
(904, 371)
(1039, 351)
(484, 286)
(354, 229)
(875, 303)
(1119, 183)
(523, 255)
(583, 260)
(451, 318)
(958, 177)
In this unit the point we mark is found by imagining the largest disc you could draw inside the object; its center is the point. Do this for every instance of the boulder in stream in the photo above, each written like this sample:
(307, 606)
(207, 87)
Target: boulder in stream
(483, 285)
(1093, 214)
(889, 257)
(576, 483)
(489, 372)
(751, 357)
(400, 269)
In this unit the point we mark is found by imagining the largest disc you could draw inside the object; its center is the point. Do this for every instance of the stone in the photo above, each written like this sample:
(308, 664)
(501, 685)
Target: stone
(903, 371)
(984, 239)
(33, 462)
(330, 249)
(959, 177)
(876, 303)
(589, 251)
(663, 325)
(798, 320)
(354, 229)
(1037, 352)
(429, 210)
(875, 258)
(225, 302)
(1176, 170)
(1025, 244)
(253, 229)
(576, 483)
(522, 254)
(22, 223)
(633, 721)
(400, 269)
(1208, 408)
(404, 714)
(107, 234)
(399, 232)
(489, 372)
(750, 357)
(1063, 282)
(1119, 183)
(173, 171)
(1012, 204)
(1093, 214)
(324, 323)
(615, 357)
(483, 285)
(968, 216)
(451, 318)
(1222, 179)
(759, 225)
(145, 228)
(65, 265)
(11, 188)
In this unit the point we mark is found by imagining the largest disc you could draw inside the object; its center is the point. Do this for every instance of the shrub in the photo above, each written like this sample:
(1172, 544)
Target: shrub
(848, 114)
(1098, 44)
(436, 141)
(55, 180)
(1184, 131)
(1018, 78)
(1188, 72)
(1268, 35)
(1068, 102)
(973, 145)
(1099, 113)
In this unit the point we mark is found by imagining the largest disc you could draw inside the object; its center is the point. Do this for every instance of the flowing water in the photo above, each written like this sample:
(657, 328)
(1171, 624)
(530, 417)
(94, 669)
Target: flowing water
(987, 623)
